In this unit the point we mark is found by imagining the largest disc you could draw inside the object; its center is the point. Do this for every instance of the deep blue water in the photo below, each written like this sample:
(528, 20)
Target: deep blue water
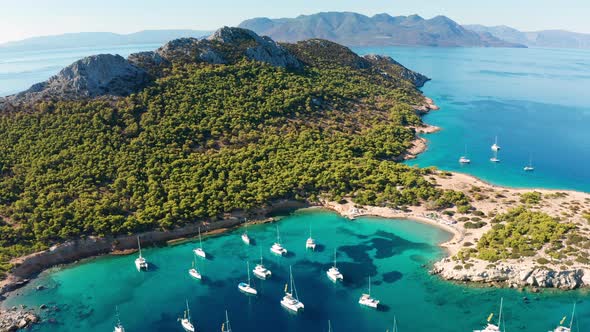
(535, 101)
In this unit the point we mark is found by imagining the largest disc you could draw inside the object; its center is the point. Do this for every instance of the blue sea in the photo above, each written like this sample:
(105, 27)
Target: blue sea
(533, 100)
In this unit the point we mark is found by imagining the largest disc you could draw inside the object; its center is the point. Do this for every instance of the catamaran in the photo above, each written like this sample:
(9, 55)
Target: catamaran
(562, 328)
(260, 270)
(225, 327)
(333, 273)
(495, 146)
(289, 301)
(245, 287)
(245, 237)
(185, 322)
(119, 327)
(310, 243)
(494, 158)
(199, 251)
(140, 262)
(193, 272)
(367, 300)
(491, 327)
(277, 248)
(529, 167)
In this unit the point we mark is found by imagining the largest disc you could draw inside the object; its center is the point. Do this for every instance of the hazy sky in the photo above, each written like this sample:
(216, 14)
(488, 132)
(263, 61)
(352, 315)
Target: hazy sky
(26, 18)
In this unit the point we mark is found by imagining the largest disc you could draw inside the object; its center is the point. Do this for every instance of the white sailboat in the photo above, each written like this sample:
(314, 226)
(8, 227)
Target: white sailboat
(492, 327)
(495, 146)
(246, 287)
(226, 327)
(140, 262)
(464, 159)
(495, 158)
(310, 243)
(119, 327)
(561, 327)
(260, 270)
(199, 251)
(291, 301)
(193, 272)
(529, 167)
(329, 326)
(245, 237)
(333, 273)
(367, 300)
(185, 322)
(277, 248)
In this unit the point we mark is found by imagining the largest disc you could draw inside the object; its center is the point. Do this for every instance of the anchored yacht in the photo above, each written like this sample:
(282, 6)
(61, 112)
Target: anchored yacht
(246, 287)
(185, 322)
(140, 262)
(260, 270)
(333, 273)
(291, 301)
(199, 251)
(493, 327)
(277, 248)
(367, 300)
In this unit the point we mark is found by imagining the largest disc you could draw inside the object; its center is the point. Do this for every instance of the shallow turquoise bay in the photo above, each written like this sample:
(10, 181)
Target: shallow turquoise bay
(396, 253)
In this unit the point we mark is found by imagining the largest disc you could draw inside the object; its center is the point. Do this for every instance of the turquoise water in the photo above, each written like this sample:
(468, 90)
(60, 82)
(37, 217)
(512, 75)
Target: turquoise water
(534, 100)
(392, 252)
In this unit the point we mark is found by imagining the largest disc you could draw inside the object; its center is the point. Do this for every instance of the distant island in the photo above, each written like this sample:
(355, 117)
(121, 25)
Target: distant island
(543, 38)
(213, 132)
(99, 39)
(353, 29)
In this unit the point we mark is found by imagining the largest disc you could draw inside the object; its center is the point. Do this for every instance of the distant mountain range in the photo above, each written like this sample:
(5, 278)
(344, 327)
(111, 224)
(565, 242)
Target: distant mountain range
(98, 39)
(544, 38)
(354, 29)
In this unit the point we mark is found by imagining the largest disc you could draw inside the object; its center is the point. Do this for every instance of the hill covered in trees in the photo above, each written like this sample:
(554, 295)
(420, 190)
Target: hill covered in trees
(222, 126)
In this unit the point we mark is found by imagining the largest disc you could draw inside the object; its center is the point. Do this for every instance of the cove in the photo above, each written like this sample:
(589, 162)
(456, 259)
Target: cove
(396, 253)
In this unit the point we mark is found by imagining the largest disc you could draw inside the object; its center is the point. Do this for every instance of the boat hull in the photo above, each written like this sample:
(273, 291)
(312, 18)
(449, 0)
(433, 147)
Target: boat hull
(187, 325)
(262, 274)
(200, 252)
(195, 274)
(247, 289)
(293, 307)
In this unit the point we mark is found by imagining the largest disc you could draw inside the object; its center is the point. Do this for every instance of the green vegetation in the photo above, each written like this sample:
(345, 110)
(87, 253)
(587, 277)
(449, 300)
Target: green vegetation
(206, 140)
(521, 232)
(531, 198)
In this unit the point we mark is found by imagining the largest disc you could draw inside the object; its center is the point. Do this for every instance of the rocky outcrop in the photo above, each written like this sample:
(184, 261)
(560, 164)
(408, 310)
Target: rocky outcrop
(387, 64)
(512, 275)
(16, 319)
(92, 76)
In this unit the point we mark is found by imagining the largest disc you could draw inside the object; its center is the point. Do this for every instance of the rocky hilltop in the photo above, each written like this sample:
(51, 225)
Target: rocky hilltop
(354, 29)
(112, 75)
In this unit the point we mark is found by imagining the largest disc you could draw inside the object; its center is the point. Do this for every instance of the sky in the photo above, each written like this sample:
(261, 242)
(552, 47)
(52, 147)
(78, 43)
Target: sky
(21, 19)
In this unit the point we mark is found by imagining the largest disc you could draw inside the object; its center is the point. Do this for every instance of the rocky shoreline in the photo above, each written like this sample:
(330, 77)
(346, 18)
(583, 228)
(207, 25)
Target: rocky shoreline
(14, 319)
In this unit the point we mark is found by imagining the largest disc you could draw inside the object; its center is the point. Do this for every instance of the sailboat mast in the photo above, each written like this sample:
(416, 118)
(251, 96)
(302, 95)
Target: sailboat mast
(139, 246)
(500, 315)
(278, 236)
(188, 311)
(572, 319)
(248, 269)
(369, 285)
(334, 257)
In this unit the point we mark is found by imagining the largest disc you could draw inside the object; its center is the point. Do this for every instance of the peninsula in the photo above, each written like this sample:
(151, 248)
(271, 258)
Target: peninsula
(212, 131)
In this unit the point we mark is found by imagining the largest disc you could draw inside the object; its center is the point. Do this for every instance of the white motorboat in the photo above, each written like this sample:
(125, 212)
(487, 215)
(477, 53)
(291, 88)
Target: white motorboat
(367, 300)
(140, 262)
(561, 327)
(119, 327)
(260, 270)
(185, 322)
(245, 237)
(291, 301)
(246, 287)
(199, 251)
(493, 327)
(277, 248)
(333, 273)
(194, 272)
(310, 243)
